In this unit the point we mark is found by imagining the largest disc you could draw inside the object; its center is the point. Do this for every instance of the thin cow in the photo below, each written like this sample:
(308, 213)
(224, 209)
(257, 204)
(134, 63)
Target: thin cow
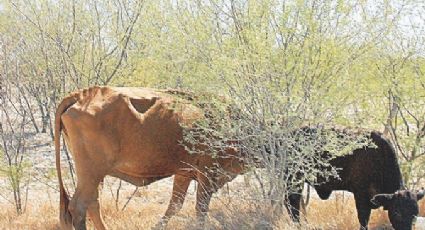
(372, 174)
(135, 134)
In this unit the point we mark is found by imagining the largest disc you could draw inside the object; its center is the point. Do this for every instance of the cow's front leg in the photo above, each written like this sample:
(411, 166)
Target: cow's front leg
(203, 197)
(180, 186)
(363, 210)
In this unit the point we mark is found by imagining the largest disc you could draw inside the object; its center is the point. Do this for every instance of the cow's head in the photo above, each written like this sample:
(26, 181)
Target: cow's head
(402, 207)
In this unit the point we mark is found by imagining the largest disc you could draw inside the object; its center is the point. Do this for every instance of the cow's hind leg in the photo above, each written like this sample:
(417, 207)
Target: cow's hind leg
(292, 204)
(86, 195)
(180, 186)
(95, 215)
(94, 212)
(292, 201)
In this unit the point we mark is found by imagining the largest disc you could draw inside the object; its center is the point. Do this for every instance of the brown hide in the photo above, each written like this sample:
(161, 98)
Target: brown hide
(134, 134)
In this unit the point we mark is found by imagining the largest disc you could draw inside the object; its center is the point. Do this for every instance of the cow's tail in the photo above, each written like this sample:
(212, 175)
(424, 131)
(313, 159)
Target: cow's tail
(392, 178)
(65, 215)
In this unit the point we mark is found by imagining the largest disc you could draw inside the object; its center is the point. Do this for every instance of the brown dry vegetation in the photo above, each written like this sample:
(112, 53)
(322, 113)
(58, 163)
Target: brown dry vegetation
(354, 64)
(229, 210)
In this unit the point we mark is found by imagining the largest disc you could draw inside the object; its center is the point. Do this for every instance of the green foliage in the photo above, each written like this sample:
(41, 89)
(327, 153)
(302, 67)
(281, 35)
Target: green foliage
(281, 64)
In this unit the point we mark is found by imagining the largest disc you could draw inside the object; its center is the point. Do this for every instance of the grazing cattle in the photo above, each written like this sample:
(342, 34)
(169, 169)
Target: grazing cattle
(373, 175)
(137, 135)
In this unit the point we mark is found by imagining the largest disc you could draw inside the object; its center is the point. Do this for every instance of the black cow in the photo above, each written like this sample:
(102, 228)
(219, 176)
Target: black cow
(373, 175)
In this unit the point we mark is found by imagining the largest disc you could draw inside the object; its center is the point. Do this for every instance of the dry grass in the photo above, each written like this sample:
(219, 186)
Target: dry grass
(230, 209)
(227, 212)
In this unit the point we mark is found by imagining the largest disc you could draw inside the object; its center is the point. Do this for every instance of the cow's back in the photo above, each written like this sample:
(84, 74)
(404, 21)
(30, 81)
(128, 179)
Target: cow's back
(371, 169)
(392, 178)
(134, 131)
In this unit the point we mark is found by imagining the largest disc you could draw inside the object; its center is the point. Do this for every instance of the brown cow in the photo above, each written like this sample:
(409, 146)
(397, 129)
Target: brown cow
(134, 134)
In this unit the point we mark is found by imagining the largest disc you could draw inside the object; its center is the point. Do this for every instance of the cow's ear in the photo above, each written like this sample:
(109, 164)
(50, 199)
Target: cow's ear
(420, 194)
(382, 199)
